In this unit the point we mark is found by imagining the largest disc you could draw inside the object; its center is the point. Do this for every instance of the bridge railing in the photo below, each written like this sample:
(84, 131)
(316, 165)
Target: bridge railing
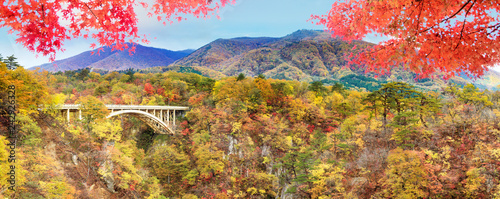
(128, 107)
(165, 114)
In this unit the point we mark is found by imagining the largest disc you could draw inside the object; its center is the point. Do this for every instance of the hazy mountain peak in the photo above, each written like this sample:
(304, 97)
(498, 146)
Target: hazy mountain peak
(143, 57)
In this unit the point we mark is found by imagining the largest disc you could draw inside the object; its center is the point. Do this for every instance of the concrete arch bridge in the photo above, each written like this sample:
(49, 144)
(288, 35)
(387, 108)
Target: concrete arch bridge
(162, 119)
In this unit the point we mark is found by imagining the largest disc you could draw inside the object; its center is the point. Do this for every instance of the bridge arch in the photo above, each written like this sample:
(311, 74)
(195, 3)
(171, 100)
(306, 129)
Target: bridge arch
(151, 120)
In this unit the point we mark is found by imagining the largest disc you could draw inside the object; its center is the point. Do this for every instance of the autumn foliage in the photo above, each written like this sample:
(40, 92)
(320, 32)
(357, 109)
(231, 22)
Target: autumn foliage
(425, 37)
(253, 138)
(43, 26)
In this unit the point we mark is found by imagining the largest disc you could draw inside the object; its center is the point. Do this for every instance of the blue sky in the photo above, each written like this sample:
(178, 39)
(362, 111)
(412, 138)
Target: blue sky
(253, 18)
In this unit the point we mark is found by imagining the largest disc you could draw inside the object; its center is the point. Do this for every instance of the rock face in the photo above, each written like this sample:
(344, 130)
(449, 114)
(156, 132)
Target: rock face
(75, 159)
(106, 168)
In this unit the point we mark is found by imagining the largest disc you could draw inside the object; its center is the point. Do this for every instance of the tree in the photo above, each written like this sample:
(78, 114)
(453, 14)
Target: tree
(11, 62)
(405, 175)
(83, 74)
(338, 87)
(130, 72)
(241, 76)
(318, 88)
(424, 36)
(109, 21)
(148, 88)
(408, 107)
(92, 110)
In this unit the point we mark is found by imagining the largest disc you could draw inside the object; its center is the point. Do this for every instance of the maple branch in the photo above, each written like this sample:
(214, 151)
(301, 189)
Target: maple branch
(497, 26)
(463, 25)
(88, 7)
(410, 13)
(450, 17)
(43, 14)
(419, 14)
(432, 49)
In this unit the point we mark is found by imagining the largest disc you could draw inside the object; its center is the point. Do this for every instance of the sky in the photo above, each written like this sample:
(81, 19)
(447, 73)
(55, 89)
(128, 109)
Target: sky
(246, 18)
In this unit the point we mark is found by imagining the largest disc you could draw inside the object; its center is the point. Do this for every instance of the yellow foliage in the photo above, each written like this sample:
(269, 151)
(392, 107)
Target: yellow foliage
(496, 195)
(58, 189)
(298, 109)
(208, 160)
(236, 127)
(189, 196)
(252, 190)
(405, 175)
(123, 157)
(4, 164)
(473, 182)
(326, 175)
(59, 98)
(107, 129)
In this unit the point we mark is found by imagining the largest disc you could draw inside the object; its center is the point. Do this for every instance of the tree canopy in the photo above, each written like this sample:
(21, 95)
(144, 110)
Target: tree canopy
(448, 37)
(43, 26)
(424, 36)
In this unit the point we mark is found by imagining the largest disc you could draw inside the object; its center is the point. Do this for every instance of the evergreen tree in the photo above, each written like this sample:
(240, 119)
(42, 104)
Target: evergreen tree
(11, 62)
(130, 72)
(241, 76)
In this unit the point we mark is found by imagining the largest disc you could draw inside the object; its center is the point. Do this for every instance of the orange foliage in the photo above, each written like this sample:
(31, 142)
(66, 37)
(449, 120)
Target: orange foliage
(425, 36)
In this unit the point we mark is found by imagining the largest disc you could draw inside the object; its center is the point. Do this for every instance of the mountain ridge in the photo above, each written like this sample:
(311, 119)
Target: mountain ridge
(143, 57)
(304, 55)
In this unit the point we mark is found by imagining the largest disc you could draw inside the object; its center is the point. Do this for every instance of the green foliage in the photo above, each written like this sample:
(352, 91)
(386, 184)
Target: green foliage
(408, 108)
(338, 87)
(241, 76)
(359, 81)
(11, 62)
(318, 88)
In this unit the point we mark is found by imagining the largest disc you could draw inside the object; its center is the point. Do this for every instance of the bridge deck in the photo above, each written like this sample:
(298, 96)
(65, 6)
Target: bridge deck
(130, 107)
(161, 118)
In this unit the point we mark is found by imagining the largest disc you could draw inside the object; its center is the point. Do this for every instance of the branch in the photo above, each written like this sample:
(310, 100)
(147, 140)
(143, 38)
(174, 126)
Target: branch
(463, 25)
(94, 14)
(419, 14)
(448, 18)
(497, 26)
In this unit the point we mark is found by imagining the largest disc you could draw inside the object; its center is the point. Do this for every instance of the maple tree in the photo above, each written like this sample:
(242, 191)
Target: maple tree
(43, 26)
(424, 36)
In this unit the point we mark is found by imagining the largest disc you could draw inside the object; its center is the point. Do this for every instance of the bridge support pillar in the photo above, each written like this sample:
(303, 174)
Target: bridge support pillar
(174, 120)
(80, 114)
(67, 115)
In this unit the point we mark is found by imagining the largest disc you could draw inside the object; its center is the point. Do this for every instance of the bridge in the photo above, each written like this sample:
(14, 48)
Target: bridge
(160, 118)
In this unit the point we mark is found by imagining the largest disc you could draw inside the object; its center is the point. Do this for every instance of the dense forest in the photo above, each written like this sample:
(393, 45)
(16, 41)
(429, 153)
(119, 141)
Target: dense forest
(247, 137)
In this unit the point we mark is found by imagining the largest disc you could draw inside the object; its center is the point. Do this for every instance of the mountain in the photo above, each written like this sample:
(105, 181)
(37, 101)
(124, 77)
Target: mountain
(304, 55)
(143, 57)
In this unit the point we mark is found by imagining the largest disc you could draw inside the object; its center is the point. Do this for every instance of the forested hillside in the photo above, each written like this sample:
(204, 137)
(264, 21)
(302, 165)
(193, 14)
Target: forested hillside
(304, 55)
(251, 137)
